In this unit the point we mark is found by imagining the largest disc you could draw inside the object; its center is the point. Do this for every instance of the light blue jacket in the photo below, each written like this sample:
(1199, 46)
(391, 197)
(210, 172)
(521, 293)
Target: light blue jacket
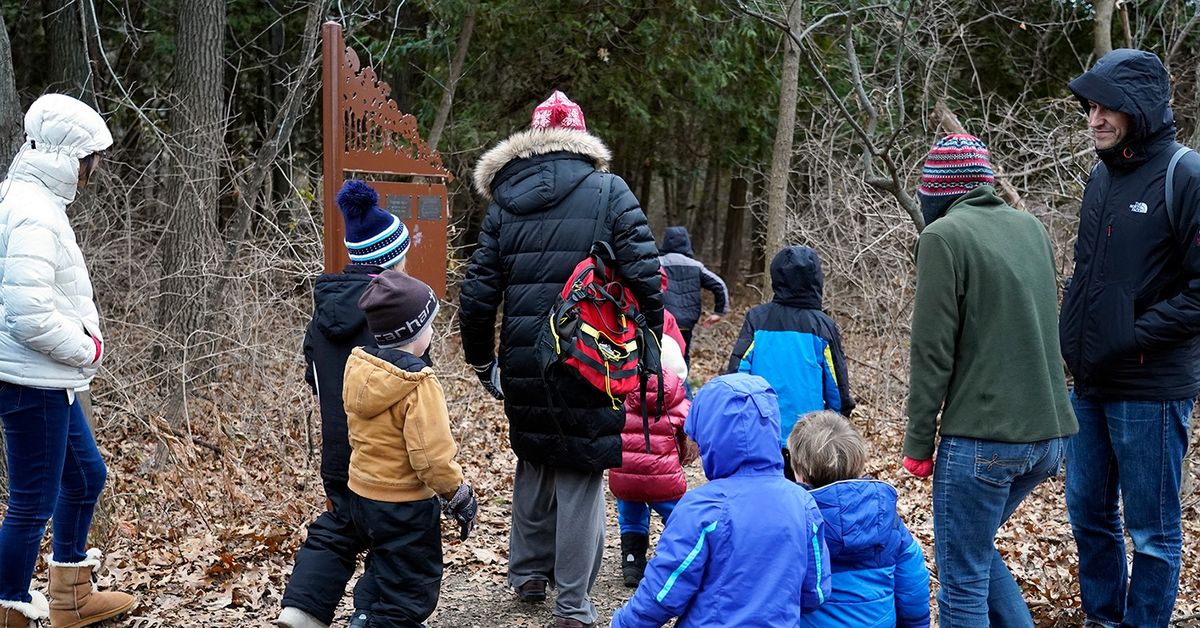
(746, 549)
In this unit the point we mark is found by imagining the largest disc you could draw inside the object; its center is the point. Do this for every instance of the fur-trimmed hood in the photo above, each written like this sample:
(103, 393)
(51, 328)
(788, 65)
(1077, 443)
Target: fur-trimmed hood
(531, 142)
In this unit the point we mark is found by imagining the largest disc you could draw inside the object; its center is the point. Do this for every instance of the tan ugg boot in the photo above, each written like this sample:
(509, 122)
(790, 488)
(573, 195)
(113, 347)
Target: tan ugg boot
(24, 614)
(74, 600)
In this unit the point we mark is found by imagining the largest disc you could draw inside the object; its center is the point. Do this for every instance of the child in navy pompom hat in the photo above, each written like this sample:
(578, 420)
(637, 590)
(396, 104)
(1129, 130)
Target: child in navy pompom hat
(373, 236)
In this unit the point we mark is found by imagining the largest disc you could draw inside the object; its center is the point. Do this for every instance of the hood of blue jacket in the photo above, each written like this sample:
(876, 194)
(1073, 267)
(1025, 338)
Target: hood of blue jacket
(677, 240)
(860, 520)
(797, 279)
(735, 421)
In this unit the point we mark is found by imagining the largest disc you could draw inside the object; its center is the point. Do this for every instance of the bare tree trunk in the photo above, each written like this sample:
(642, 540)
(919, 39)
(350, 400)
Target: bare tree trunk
(191, 245)
(735, 221)
(67, 63)
(456, 70)
(758, 248)
(11, 133)
(781, 155)
(1102, 28)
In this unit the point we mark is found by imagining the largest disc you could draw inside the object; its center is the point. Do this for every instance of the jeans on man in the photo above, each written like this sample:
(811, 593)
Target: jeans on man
(634, 517)
(977, 484)
(1131, 451)
(54, 470)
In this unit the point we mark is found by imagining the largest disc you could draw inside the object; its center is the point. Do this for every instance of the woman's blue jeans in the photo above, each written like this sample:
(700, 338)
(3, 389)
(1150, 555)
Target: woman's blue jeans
(977, 484)
(54, 469)
(1131, 452)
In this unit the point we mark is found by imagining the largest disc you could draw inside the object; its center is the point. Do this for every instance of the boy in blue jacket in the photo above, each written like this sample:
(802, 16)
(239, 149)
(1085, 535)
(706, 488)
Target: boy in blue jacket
(746, 549)
(878, 569)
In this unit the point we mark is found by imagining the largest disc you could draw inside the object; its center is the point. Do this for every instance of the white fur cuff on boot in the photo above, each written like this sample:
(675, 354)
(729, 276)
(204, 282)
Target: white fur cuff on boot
(37, 608)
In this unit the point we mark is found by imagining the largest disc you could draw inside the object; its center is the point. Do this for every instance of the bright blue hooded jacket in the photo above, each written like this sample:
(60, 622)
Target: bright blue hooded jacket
(746, 549)
(793, 344)
(879, 573)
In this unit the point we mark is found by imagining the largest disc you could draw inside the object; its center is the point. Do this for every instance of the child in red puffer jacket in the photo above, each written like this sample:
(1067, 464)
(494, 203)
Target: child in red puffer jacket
(653, 480)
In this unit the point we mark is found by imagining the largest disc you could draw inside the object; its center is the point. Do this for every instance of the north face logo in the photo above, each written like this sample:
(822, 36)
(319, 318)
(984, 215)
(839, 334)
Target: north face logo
(1138, 208)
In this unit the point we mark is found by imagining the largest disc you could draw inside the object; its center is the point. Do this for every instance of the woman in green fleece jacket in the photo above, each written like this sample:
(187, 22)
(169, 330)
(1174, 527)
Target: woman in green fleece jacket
(985, 354)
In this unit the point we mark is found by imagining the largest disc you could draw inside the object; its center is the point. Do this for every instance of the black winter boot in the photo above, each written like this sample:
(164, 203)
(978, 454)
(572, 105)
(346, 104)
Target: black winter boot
(633, 557)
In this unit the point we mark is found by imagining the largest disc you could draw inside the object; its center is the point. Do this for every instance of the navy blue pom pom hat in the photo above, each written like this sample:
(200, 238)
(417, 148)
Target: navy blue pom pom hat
(373, 236)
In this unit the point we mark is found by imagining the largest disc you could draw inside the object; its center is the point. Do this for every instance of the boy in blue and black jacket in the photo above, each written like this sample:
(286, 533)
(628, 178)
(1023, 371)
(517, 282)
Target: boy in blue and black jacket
(746, 549)
(794, 345)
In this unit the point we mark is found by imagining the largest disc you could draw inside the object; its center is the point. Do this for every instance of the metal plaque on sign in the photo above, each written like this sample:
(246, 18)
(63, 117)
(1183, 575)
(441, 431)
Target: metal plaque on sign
(429, 208)
(400, 206)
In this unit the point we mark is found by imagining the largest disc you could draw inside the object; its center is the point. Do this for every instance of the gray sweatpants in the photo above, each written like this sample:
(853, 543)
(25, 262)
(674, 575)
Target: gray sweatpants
(558, 534)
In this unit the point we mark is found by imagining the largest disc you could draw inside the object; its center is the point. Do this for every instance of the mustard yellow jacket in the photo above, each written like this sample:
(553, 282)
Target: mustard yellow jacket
(402, 448)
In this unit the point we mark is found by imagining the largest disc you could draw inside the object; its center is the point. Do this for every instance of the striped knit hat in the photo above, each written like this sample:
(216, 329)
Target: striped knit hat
(373, 236)
(955, 165)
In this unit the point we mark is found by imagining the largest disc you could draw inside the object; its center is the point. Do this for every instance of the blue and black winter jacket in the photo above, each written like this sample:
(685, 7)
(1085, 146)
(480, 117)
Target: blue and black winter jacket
(1130, 323)
(746, 549)
(686, 276)
(879, 573)
(793, 344)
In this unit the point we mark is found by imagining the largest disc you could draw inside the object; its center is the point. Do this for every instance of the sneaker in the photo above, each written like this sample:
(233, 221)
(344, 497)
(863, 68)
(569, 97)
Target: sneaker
(567, 622)
(292, 617)
(532, 591)
(359, 619)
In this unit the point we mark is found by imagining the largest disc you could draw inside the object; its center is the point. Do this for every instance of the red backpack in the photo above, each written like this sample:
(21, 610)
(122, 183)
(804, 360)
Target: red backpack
(596, 329)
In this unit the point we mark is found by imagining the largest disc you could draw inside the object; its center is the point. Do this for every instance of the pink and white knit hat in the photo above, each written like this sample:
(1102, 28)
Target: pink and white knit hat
(558, 112)
(957, 164)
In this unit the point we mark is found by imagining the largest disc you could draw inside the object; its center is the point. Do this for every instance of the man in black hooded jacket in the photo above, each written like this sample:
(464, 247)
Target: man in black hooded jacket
(1129, 331)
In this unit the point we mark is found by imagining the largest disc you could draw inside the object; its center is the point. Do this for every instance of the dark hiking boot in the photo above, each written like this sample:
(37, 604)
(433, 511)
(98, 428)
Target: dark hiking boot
(567, 622)
(633, 557)
(533, 591)
(359, 619)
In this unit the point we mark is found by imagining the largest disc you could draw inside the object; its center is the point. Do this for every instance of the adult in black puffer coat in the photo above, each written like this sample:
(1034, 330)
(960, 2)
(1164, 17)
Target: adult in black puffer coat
(1130, 331)
(545, 186)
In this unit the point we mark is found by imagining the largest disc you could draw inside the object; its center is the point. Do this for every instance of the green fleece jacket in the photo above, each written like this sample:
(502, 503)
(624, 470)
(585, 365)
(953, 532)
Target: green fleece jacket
(985, 349)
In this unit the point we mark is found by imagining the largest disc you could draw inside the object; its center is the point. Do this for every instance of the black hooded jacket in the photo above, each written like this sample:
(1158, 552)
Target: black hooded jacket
(1131, 313)
(337, 326)
(795, 310)
(686, 276)
(545, 188)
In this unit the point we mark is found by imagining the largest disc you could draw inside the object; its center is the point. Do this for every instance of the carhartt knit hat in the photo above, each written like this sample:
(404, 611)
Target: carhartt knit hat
(558, 112)
(373, 236)
(956, 164)
(398, 307)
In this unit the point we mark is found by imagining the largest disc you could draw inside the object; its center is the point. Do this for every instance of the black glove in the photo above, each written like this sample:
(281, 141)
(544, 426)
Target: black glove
(462, 508)
(489, 376)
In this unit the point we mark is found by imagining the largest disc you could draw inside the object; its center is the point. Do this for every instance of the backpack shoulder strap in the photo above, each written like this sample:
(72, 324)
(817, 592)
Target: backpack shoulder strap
(1170, 185)
(605, 193)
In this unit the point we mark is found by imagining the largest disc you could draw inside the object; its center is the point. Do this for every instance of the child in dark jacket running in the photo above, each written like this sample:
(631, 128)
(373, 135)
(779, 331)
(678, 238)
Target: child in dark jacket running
(652, 480)
(794, 345)
(878, 569)
(687, 276)
(377, 242)
(746, 549)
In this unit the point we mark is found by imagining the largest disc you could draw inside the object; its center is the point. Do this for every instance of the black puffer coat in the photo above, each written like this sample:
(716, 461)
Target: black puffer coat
(545, 187)
(1131, 313)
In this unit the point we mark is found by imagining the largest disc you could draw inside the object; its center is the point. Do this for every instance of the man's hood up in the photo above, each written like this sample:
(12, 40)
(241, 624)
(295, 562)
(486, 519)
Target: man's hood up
(735, 421)
(1135, 83)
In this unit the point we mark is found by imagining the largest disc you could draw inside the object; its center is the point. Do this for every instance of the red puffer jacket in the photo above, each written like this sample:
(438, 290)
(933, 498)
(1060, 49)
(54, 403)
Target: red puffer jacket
(656, 476)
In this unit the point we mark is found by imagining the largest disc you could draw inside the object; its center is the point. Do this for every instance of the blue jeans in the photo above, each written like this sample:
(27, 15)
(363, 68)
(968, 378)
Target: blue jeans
(977, 484)
(1133, 451)
(634, 517)
(54, 469)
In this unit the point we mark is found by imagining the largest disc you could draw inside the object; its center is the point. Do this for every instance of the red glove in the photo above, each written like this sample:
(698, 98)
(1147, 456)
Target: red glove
(919, 468)
(99, 349)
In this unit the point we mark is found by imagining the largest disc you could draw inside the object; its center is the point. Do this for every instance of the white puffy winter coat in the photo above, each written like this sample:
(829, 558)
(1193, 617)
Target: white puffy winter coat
(47, 316)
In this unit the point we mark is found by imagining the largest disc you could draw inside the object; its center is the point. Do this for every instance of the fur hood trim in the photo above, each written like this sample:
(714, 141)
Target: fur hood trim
(530, 142)
(38, 608)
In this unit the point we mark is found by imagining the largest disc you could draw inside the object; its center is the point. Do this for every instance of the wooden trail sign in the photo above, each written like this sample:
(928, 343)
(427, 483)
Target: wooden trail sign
(367, 137)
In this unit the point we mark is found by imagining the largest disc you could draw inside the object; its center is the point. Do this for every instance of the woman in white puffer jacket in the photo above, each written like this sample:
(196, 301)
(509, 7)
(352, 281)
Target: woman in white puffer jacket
(50, 347)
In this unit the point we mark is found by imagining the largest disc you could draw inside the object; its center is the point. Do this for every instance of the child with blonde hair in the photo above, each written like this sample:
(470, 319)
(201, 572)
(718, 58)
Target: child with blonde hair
(878, 569)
